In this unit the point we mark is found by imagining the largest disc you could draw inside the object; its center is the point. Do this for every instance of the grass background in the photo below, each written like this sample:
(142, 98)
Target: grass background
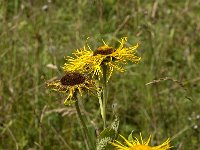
(37, 33)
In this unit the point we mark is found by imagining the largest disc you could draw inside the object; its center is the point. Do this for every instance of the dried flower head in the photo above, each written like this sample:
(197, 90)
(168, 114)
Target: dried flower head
(71, 83)
(140, 145)
(91, 61)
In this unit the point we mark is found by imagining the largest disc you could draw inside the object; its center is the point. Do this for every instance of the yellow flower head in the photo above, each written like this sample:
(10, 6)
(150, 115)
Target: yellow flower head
(71, 83)
(140, 145)
(91, 61)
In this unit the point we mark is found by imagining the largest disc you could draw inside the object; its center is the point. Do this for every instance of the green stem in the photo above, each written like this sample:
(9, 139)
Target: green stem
(85, 129)
(104, 94)
(99, 95)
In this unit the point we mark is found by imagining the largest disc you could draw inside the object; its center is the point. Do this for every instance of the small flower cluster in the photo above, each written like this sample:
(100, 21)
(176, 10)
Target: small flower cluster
(87, 62)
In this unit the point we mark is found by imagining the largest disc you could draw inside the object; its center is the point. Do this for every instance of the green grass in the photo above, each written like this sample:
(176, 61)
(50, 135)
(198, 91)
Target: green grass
(31, 38)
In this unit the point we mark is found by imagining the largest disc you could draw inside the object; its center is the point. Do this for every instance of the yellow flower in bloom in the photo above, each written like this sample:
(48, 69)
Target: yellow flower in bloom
(89, 61)
(71, 83)
(140, 145)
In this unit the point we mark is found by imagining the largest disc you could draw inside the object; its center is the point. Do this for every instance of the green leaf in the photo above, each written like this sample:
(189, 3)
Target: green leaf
(130, 137)
(107, 136)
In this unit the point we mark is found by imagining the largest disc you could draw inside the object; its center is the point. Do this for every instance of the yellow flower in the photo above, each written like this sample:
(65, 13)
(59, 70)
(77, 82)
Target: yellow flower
(71, 83)
(89, 61)
(137, 145)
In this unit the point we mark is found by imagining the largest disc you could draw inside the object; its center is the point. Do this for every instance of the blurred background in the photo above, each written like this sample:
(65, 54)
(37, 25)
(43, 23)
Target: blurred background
(35, 35)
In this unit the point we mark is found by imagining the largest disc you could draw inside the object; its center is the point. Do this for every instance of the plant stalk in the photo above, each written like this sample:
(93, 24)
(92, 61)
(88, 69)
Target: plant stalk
(85, 129)
(104, 67)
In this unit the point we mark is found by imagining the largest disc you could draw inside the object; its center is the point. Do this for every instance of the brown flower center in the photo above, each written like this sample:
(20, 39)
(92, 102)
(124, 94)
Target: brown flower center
(103, 50)
(71, 79)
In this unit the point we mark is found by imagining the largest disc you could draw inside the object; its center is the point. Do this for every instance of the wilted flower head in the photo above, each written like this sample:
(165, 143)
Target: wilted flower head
(91, 61)
(71, 83)
(135, 144)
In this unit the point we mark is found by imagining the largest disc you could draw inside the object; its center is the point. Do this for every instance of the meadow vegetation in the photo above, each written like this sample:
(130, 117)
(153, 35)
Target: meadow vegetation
(35, 36)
